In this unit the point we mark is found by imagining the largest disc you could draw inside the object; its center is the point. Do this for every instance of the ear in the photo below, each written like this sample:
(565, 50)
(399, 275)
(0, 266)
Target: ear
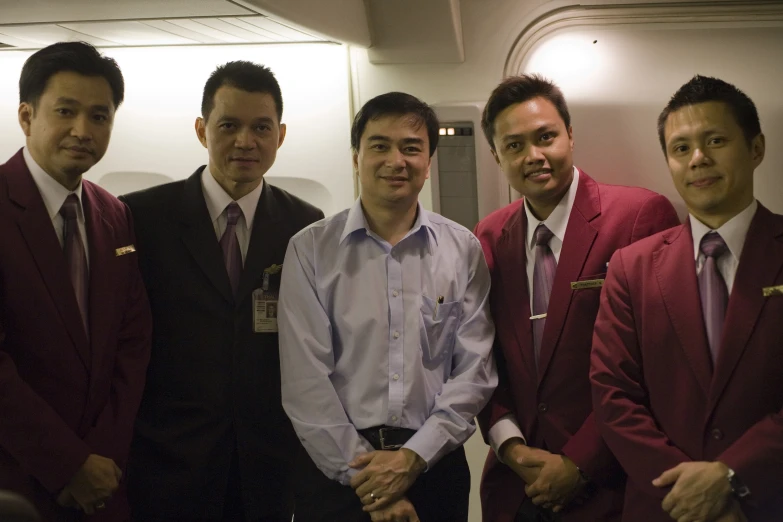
(429, 167)
(356, 162)
(26, 115)
(495, 155)
(757, 149)
(201, 131)
(282, 135)
(571, 137)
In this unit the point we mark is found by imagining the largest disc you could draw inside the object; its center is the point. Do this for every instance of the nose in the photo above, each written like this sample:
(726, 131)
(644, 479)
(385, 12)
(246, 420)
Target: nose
(82, 128)
(699, 158)
(244, 139)
(395, 159)
(534, 156)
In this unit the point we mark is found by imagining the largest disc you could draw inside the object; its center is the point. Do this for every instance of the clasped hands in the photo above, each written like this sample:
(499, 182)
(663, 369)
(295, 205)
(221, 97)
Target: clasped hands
(92, 485)
(381, 484)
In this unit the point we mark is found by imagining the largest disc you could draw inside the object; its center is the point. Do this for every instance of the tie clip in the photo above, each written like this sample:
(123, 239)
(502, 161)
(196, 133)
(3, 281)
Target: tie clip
(539, 316)
(124, 250)
(773, 290)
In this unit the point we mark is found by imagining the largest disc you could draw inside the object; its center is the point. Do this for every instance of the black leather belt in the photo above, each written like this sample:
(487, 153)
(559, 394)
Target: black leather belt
(387, 437)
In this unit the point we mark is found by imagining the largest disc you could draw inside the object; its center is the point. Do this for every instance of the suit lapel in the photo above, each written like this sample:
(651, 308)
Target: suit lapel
(675, 270)
(578, 240)
(198, 235)
(760, 263)
(101, 243)
(512, 261)
(268, 243)
(38, 232)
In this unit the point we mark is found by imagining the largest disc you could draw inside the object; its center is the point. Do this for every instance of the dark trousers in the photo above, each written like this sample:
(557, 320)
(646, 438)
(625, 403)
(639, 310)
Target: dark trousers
(439, 495)
(529, 512)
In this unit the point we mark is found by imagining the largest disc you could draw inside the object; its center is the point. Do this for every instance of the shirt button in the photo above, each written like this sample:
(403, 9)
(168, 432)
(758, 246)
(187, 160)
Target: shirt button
(396, 377)
(543, 407)
(717, 434)
(396, 335)
(395, 293)
(394, 418)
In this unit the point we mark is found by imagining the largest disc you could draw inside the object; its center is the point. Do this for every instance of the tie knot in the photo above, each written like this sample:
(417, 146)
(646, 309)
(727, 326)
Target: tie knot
(233, 212)
(70, 208)
(542, 235)
(712, 245)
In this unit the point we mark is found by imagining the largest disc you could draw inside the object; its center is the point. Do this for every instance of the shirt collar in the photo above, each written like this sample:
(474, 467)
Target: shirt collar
(52, 192)
(557, 222)
(356, 220)
(218, 199)
(733, 232)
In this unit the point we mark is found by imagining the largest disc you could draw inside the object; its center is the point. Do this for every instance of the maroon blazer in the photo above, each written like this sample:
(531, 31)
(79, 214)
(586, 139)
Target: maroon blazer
(657, 398)
(62, 397)
(552, 406)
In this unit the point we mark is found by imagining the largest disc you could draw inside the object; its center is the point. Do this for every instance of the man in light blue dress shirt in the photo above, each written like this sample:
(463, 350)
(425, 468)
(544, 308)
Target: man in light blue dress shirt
(385, 337)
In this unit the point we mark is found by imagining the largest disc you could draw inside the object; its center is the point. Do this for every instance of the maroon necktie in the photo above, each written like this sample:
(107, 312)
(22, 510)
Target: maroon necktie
(75, 256)
(712, 290)
(543, 277)
(230, 245)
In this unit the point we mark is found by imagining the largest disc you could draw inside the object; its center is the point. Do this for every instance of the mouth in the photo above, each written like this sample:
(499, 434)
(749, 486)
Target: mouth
(395, 180)
(245, 162)
(704, 182)
(540, 174)
(79, 150)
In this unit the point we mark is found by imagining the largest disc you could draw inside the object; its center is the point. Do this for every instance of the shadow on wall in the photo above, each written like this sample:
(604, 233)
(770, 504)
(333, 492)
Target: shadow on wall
(315, 193)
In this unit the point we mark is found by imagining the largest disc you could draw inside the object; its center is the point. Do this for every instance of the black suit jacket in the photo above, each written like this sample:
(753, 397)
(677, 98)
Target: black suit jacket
(213, 385)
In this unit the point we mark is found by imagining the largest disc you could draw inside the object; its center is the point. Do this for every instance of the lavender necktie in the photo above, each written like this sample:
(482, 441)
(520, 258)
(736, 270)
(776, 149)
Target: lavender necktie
(230, 245)
(543, 277)
(712, 290)
(75, 256)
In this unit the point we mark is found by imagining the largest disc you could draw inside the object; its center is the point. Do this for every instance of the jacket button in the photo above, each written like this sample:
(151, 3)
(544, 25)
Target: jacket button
(543, 407)
(716, 434)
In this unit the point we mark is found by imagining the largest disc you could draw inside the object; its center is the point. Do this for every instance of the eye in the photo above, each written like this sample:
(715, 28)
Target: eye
(263, 128)
(378, 147)
(717, 141)
(62, 111)
(226, 125)
(547, 136)
(412, 150)
(514, 145)
(101, 118)
(680, 149)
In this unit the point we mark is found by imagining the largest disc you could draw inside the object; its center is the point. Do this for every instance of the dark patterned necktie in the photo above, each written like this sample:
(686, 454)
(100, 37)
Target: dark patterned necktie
(75, 256)
(230, 245)
(712, 290)
(543, 277)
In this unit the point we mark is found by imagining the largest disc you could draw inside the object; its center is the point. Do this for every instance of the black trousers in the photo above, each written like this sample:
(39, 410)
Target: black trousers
(529, 512)
(439, 495)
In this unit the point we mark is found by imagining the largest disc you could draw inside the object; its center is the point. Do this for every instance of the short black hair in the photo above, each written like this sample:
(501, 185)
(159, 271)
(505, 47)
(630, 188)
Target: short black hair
(395, 103)
(519, 89)
(243, 75)
(78, 57)
(703, 89)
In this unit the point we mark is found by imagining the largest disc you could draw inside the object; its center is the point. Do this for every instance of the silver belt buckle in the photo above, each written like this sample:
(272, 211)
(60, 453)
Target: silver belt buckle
(384, 446)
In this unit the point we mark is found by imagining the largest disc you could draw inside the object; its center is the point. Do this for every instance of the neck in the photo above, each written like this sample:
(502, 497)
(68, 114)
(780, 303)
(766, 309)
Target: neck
(69, 182)
(390, 222)
(540, 210)
(236, 190)
(716, 220)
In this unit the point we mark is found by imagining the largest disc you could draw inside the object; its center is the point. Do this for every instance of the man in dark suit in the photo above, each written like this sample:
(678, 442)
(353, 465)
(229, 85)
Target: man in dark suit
(686, 364)
(74, 319)
(212, 441)
(544, 299)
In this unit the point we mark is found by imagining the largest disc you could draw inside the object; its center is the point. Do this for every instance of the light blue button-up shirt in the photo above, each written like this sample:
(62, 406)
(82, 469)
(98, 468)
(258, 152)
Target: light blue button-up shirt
(364, 341)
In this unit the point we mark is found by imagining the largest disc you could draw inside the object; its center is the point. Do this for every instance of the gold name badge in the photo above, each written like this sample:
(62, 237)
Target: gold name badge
(590, 283)
(773, 290)
(124, 250)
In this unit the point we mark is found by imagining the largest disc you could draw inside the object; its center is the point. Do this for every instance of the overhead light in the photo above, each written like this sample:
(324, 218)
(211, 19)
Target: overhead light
(442, 131)
(450, 132)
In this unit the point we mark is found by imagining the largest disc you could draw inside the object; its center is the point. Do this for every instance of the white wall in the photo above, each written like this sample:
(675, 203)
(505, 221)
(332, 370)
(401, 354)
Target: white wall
(153, 130)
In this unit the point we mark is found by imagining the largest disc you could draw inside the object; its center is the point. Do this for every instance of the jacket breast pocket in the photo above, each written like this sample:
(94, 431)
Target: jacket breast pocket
(438, 329)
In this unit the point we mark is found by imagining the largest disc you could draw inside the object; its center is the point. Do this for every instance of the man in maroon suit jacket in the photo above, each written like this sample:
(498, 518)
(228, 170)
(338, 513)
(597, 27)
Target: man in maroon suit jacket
(687, 361)
(74, 319)
(546, 444)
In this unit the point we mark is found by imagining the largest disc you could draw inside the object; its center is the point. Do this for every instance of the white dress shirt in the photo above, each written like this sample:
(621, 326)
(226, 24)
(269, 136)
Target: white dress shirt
(373, 334)
(54, 195)
(507, 427)
(218, 200)
(733, 232)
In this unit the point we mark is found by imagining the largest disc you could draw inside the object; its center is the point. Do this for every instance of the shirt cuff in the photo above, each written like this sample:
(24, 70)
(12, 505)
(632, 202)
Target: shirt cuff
(504, 429)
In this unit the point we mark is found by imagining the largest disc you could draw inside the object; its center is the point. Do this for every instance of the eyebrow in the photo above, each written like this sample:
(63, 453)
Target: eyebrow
(62, 100)
(264, 119)
(548, 127)
(378, 137)
(679, 136)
